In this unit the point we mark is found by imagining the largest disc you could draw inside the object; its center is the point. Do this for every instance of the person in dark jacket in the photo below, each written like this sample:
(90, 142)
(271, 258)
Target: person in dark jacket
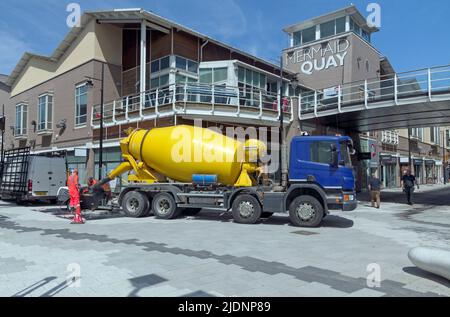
(408, 184)
(375, 191)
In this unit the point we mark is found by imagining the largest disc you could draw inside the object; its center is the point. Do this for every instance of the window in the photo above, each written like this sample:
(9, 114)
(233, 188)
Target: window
(340, 25)
(355, 27)
(159, 82)
(366, 36)
(320, 152)
(417, 133)
(345, 154)
(435, 135)
(165, 63)
(21, 119)
(447, 138)
(81, 105)
(45, 109)
(309, 35)
(297, 38)
(328, 29)
(186, 64)
(213, 75)
(252, 78)
(160, 64)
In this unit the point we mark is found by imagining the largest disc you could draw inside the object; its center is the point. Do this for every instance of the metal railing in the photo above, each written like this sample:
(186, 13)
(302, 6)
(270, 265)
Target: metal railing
(431, 84)
(194, 99)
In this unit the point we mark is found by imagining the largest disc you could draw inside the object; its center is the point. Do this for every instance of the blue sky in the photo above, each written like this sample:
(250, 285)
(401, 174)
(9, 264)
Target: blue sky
(414, 33)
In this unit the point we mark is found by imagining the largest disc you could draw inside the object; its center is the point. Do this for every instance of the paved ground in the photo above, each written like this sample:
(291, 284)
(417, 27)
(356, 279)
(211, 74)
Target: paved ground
(211, 255)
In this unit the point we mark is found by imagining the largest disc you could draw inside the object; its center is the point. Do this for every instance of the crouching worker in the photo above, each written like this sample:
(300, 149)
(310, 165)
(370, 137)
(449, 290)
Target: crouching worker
(74, 193)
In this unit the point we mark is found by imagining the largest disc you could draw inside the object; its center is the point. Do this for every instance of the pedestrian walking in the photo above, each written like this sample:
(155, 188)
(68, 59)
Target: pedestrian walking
(375, 191)
(408, 184)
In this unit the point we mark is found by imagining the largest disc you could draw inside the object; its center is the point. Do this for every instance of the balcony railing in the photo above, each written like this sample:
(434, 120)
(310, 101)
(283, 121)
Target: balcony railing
(431, 84)
(193, 99)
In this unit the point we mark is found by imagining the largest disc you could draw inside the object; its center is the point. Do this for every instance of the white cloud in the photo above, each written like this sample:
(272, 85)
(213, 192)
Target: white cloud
(11, 50)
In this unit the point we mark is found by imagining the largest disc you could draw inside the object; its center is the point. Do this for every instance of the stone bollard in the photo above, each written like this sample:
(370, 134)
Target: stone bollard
(432, 260)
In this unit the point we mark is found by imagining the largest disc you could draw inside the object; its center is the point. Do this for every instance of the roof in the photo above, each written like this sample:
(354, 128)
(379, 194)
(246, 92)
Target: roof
(3, 78)
(386, 65)
(350, 10)
(127, 16)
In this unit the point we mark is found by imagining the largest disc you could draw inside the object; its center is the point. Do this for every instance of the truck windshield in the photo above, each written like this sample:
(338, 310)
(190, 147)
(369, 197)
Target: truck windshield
(345, 154)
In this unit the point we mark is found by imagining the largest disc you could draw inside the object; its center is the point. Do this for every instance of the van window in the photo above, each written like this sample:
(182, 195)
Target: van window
(320, 152)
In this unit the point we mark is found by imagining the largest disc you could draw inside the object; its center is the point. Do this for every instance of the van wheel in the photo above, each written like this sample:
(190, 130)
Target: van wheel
(246, 209)
(306, 211)
(135, 204)
(191, 211)
(165, 207)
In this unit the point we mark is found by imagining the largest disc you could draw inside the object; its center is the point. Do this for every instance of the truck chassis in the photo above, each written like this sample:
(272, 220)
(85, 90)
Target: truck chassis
(306, 203)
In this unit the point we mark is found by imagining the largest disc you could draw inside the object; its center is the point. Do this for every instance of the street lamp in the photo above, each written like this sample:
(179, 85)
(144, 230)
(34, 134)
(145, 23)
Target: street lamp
(91, 84)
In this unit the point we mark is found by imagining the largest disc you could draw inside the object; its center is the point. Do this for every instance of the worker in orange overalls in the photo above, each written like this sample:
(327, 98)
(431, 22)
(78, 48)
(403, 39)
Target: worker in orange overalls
(74, 193)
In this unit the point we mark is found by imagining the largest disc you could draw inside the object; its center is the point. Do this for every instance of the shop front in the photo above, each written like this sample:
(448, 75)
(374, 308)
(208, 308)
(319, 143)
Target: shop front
(389, 170)
(418, 170)
(430, 172)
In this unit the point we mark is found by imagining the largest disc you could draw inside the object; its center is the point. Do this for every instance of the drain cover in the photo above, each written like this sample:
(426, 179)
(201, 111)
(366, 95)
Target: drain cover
(305, 233)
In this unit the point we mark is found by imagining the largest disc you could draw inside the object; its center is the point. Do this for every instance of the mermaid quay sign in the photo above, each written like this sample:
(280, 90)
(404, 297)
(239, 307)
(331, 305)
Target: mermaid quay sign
(321, 57)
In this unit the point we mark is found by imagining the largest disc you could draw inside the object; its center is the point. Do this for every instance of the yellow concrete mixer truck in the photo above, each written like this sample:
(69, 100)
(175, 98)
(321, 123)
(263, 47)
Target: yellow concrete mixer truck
(186, 168)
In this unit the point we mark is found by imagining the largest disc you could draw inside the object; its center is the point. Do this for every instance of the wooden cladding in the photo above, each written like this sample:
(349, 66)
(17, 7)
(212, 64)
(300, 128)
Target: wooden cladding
(186, 45)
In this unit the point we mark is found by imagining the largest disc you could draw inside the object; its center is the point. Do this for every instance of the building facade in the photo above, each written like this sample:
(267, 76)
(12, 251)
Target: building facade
(334, 54)
(158, 73)
(155, 73)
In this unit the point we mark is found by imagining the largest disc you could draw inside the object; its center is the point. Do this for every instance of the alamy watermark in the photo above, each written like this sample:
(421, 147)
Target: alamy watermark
(374, 277)
(374, 17)
(74, 18)
(73, 279)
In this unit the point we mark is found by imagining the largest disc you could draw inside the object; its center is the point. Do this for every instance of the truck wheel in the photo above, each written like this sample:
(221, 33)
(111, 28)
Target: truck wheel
(135, 204)
(165, 207)
(246, 209)
(191, 211)
(306, 211)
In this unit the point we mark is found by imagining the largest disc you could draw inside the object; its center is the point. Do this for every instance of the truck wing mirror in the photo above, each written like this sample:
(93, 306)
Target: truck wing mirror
(334, 158)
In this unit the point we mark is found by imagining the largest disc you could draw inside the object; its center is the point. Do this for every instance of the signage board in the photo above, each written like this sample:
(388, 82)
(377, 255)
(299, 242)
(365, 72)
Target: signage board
(80, 152)
(320, 56)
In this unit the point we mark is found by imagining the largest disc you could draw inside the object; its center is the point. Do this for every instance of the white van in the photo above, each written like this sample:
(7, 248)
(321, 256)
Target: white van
(32, 177)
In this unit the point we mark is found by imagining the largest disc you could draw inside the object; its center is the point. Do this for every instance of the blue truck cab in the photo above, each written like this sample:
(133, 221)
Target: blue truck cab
(321, 178)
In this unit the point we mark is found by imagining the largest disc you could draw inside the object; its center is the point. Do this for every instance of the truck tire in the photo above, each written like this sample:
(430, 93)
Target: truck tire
(246, 209)
(191, 211)
(135, 204)
(165, 207)
(306, 211)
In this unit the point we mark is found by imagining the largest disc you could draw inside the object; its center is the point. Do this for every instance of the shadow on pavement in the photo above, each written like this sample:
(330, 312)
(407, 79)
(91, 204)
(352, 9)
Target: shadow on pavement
(426, 275)
(432, 197)
(30, 289)
(330, 221)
